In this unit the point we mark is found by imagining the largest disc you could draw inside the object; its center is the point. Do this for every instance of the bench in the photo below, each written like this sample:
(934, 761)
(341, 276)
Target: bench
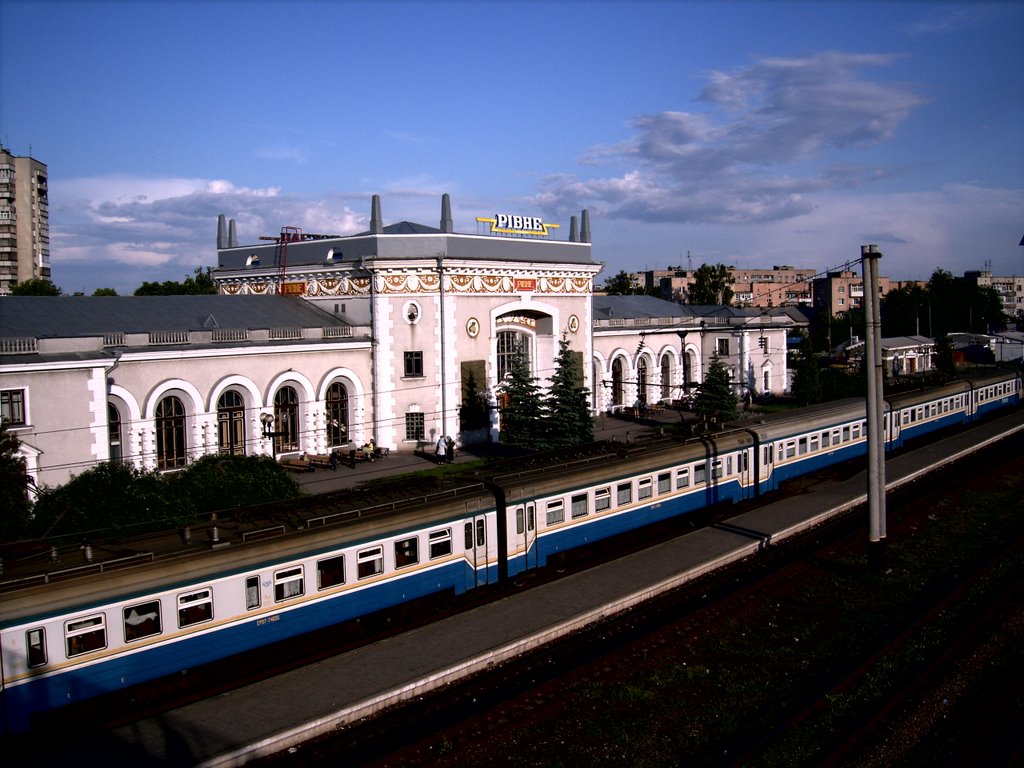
(296, 464)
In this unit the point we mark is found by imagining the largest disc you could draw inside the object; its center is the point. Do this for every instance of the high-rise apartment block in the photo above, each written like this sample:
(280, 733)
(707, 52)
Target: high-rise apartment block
(24, 220)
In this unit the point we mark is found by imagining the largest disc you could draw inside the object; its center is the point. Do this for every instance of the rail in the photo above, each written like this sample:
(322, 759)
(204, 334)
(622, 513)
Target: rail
(78, 570)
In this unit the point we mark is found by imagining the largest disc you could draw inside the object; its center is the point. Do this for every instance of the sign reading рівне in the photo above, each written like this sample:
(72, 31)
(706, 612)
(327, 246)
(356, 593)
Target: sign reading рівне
(513, 224)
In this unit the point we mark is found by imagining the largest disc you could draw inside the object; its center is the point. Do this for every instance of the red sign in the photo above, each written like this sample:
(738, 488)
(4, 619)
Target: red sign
(526, 283)
(293, 289)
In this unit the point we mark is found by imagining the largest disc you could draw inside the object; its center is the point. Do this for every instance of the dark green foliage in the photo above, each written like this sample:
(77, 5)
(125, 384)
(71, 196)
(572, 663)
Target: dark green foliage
(620, 285)
(807, 377)
(715, 399)
(522, 418)
(474, 412)
(37, 286)
(14, 503)
(198, 283)
(569, 419)
(712, 285)
(223, 482)
(104, 292)
(110, 497)
(944, 362)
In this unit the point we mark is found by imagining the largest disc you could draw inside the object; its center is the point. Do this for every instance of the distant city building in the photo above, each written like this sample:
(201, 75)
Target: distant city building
(1010, 289)
(780, 286)
(842, 291)
(24, 220)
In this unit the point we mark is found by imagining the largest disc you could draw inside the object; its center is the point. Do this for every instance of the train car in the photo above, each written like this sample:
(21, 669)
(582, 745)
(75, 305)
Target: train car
(66, 641)
(70, 636)
(555, 510)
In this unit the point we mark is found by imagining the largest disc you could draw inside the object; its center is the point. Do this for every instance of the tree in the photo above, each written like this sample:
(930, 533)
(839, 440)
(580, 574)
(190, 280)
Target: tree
(944, 362)
(199, 282)
(715, 400)
(569, 419)
(711, 285)
(37, 286)
(621, 285)
(522, 418)
(104, 292)
(14, 481)
(223, 482)
(807, 377)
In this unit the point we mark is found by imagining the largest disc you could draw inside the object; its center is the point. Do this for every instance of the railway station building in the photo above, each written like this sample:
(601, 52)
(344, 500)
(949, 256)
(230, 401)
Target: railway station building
(393, 334)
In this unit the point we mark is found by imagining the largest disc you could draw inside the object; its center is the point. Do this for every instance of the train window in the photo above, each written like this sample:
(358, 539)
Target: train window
(440, 543)
(664, 483)
(855, 431)
(195, 607)
(824, 439)
(480, 539)
(744, 461)
(846, 434)
(906, 417)
(790, 449)
(85, 635)
(555, 512)
(288, 583)
(802, 446)
(35, 641)
(370, 562)
(520, 520)
(602, 499)
(700, 474)
(623, 494)
(330, 572)
(813, 443)
(780, 451)
(468, 536)
(644, 488)
(252, 592)
(682, 478)
(407, 552)
(717, 469)
(142, 620)
(531, 517)
(580, 506)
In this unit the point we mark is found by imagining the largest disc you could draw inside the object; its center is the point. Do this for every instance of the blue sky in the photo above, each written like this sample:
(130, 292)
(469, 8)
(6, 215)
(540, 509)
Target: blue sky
(744, 133)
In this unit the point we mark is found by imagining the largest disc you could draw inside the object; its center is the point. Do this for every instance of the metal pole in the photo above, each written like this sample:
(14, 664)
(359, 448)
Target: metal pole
(444, 383)
(875, 404)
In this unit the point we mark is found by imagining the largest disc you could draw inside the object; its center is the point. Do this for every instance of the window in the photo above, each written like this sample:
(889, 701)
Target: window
(370, 562)
(700, 474)
(142, 620)
(231, 423)
(790, 449)
(556, 512)
(520, 520)
(580, 506)
(330, 572)
(12, 406)
(288, 583)
(510, 344)
(531, 517)
(195, 607)
(624, 494)
(682, 478)
(602, 499)
(170, 433)
(85, 635)
(114, 432)
(414, 426)
(716, 469)
(468, 536)
(723, 347)
(35, 641)
(641, 380)
(480, 538)
(644, 489)
(407, 552)
(440, 543)
(337, 414)
(252, 592)
(286, 420)
(414, 365)
(664, 483)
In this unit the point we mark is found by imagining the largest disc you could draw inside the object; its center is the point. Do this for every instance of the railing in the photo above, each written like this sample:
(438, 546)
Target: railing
(113, 339)
(169, 337)
(285, 333)
(17, 346)
(230, 334)
(337, 332)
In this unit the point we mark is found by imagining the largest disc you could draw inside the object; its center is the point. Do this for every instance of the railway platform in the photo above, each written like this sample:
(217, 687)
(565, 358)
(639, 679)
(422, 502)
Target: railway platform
(272, 715)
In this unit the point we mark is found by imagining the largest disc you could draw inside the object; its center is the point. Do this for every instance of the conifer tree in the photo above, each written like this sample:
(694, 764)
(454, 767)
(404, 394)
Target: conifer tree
(522, 418)
(568, 406)
(14, 503)
(807, 377)
(715, 399)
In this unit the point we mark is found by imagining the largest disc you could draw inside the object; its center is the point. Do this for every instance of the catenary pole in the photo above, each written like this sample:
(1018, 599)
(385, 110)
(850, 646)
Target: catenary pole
(875, 404)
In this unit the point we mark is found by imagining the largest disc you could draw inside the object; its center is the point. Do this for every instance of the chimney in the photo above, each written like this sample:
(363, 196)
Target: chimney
(232, 235)
(585, 227)
(376, 227)
(222, 232)
(573, 234)
(446, 214)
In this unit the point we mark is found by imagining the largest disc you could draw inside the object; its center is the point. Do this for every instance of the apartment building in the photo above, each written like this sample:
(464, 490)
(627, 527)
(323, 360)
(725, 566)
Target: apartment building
(24, 220)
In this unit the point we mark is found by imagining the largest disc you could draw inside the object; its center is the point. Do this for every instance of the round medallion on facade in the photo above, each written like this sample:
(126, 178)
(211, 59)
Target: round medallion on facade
(412, 312)
(574, 323)
(473, 327)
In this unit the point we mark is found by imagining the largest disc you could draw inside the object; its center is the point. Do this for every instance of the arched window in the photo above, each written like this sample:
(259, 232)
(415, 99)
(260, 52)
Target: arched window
(510, 344)
(641, 380)
(114, 432)
(337, 414)
(617, 381)
(286, 420)
(666, 377)
(170, 433)
(231, 423)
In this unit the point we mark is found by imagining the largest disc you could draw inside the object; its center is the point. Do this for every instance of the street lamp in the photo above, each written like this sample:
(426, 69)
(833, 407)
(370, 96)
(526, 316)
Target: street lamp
(267, 420)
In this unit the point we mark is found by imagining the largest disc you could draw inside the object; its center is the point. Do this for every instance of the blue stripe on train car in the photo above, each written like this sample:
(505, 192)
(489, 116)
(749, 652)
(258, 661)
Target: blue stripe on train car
(918, 428)
(24, 700)
(811, 463)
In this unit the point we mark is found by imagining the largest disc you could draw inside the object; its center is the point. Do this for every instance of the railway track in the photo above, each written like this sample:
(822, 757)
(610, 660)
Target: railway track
(494, 716)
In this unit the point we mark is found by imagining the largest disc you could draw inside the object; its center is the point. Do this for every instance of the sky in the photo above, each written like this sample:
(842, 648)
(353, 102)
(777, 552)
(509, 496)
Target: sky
(750, 134)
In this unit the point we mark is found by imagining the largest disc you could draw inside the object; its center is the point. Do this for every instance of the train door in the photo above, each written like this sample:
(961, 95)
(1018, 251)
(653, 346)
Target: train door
(746, 485)
(526, 533)
(475, 534)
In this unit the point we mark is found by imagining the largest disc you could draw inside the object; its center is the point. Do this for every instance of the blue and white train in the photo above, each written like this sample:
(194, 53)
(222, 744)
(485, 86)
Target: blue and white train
(66, 637)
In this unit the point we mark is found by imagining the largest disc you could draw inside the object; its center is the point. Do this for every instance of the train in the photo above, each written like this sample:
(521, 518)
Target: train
(66, 637)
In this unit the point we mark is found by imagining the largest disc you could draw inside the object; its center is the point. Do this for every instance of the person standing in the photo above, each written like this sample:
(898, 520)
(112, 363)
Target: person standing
(450, 445)
(441, 449)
